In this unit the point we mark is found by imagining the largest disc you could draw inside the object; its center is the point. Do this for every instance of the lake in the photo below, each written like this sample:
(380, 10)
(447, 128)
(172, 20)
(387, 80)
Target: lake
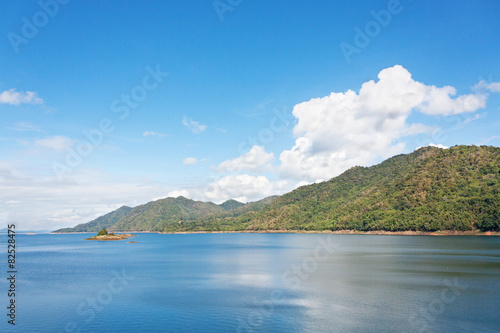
(255, 283)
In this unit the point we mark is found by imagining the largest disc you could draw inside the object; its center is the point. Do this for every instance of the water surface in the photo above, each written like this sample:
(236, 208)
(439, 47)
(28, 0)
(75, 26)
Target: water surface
(256, 282)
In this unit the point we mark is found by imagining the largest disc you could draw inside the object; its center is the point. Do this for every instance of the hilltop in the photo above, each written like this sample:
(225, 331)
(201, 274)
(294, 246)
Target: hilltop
(430, 189)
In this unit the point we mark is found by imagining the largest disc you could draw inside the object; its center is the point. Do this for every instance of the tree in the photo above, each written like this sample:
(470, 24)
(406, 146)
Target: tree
(103, 232)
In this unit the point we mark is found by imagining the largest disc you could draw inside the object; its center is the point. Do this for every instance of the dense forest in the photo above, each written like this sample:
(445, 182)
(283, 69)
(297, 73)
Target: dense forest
(430, 189)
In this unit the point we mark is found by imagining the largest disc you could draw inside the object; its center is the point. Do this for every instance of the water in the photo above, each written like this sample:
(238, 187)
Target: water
(259, 282)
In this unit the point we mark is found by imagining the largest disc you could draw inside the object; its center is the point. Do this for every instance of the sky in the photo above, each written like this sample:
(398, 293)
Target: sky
(111, 103)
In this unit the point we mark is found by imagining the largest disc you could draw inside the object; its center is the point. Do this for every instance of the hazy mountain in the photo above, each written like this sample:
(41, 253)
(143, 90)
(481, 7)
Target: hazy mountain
(5, 230)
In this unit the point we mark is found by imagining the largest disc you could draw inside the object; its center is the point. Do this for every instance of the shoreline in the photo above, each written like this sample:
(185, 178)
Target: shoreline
(113, 237)
(349, 232)
(337, 232)
(93, 232)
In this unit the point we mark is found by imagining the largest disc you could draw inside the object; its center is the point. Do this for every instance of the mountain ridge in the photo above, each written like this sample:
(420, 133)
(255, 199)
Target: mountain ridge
(431, 189)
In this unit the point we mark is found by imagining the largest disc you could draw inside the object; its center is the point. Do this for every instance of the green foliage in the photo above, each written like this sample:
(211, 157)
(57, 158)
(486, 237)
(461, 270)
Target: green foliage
(231, 204)
(428, 190)
(103, 232)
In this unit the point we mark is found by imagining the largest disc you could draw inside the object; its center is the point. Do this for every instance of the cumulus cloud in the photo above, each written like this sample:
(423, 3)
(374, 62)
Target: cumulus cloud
(256, 160)
(190, 161)
(14, 97)
(193, 126)
(342, 130)
(151, 133)
(56, 143)
(243, 188)
(439, 145)
(181, 193)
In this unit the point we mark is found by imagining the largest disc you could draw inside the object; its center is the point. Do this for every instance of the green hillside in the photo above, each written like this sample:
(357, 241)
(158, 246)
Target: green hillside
(155, 215)
(233, 220)
(181, 214)
(103, 222)
(430, 189)
(231, 204)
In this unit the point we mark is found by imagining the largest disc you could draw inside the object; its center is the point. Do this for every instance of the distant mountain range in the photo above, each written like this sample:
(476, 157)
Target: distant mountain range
(5, 230)
(430, 189)
(166, 214)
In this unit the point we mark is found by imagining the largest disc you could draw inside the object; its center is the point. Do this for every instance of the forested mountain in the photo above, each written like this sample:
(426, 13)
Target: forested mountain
(155, 215)
(232, 220)
(103, 222)
(428, 190)
(231, 204)
(170, 214)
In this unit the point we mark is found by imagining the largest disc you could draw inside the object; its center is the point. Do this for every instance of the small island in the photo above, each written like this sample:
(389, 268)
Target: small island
(103, 235)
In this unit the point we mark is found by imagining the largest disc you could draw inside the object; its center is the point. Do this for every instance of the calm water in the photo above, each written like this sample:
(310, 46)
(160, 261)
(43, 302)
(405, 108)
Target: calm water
(256, 282)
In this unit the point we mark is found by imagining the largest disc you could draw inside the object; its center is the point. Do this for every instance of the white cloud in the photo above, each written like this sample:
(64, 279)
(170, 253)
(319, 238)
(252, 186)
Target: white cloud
(181, 193)
(193, 126)
(485, 86)
(47, 203)
(414, 129)
(14, 97)
(475, 117)
(56, 143)
(190, 161)
(151, 133)
(342, 130)
(437, 101)
(243, 188)
(494, 87)
(439, 145)
(256, 160)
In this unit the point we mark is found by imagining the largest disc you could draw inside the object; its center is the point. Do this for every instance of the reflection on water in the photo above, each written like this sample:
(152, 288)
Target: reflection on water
(257, 283)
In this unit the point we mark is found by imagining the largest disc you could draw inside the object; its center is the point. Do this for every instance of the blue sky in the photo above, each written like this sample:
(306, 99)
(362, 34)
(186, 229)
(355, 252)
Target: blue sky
(241, 105)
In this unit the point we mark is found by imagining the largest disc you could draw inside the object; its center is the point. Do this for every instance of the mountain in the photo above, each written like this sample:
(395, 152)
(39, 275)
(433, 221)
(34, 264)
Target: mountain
(171, 214)
(5, 230)
(182, 214)
(231, 204)
(253, 207)
(233, 220)
(103, 222)
(155, 215)
(430, 189)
